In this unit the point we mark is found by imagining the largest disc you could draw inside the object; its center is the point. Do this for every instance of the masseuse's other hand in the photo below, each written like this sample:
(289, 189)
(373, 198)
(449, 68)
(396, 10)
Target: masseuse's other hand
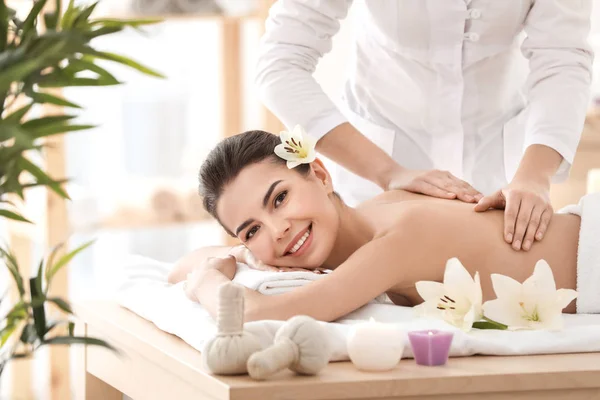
(225, 265)
(527, 211)
(245, 256)
(434, 183)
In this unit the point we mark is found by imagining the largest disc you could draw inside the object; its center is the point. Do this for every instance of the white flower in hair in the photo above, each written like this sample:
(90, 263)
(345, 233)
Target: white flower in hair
(296, 147)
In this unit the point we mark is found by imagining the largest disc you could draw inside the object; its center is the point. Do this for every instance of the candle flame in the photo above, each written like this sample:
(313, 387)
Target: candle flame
(430, 333)
(371, 319)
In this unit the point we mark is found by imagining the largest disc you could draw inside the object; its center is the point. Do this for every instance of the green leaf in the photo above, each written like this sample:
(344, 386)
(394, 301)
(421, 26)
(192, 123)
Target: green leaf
(32, 124)
(38, 279)
(3, 25)
(80, 340)
(39, 311)
(50, 261)
(29, 335)
(14, 216)
(69, 15)
(51, 99)
(81, 21)
(30, 21)
(489, 325)
(6, 333)
(60, 128)
(17, 115)
(42, 177)
(105, 30)
(87, 64)
(13, 268)
(21, 136)
(134, 23)
(18, 72)
(62, 304)
(121, 60)
(56, 82)
(64, 260)
(71, 328)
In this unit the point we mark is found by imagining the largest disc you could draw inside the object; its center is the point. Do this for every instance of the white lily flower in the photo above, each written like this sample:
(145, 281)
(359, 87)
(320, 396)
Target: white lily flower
(457, 300)
(534, 304)
(296, 147)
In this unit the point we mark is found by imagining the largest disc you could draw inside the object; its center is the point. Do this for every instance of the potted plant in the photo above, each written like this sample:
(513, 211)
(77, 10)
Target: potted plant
(45, 50)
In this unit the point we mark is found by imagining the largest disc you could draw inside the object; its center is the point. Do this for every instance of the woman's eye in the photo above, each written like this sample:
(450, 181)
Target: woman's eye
(280, 197)
(251, 232)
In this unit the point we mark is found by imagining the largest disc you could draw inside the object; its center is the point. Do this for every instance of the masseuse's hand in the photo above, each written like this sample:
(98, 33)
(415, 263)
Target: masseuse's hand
(433, 183)
(225, 265)
(527, 211)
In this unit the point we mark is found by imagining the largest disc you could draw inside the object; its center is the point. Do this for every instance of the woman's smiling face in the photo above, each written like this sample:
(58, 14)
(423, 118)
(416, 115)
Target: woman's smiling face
(284, 218)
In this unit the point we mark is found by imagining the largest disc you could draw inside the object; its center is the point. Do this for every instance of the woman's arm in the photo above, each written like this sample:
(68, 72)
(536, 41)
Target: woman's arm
(558, 85)
(187, 263)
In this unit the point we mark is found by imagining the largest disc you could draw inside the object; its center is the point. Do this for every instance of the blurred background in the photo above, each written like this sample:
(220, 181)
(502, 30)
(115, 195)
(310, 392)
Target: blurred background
(133, 178)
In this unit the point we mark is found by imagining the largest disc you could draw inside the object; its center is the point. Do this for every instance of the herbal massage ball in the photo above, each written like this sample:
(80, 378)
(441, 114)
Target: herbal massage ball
(227, 353)
(301, 345)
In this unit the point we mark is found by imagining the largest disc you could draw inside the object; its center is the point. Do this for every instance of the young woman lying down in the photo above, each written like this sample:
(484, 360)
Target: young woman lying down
(293, 218)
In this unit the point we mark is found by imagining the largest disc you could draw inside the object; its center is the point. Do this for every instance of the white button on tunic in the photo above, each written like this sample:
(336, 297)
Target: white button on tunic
(446, 84)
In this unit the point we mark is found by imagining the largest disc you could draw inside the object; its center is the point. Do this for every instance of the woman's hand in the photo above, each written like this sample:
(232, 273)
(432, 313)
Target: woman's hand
(527, 211)
(245, 256)
(433, 183)
(202, 273)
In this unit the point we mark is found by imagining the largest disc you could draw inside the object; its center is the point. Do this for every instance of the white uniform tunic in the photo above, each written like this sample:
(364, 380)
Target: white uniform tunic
(437, 83)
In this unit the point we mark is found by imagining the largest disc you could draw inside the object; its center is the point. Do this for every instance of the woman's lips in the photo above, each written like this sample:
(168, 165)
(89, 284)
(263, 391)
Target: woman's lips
(305, 245)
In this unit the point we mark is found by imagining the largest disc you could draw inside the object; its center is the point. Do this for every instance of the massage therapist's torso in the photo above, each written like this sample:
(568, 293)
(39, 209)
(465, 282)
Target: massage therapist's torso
(450, 228)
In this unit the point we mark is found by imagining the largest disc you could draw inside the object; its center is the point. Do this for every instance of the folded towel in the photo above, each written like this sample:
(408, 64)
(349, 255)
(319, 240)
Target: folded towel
(588, 253)
(273, 283)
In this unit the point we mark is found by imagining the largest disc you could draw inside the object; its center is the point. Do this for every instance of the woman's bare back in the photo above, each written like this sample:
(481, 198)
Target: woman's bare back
(450, 228)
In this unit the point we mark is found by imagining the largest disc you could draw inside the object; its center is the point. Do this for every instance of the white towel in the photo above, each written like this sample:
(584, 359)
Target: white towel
(146, 292)
(588, 253)
(273, 283)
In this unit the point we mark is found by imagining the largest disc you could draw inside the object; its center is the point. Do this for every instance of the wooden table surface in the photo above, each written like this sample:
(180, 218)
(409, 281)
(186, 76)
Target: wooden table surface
(158, 365)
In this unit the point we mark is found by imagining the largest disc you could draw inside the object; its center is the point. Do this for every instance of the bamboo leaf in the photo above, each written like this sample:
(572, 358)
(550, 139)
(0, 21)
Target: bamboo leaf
(14, 216)
(105, 30)
(32, 124)
(69, 15)
(51, 99)
(121, 60)
(16, 116)
(80, 340)
(55, 82)
(64, 260)
(30, 21)
(134, 23)
(38, 278)
(39, 311)
(87, 64)
(58, 129)
(28, 334)
(13, 268)
(22, 138)
(6, 333)
(50, 261)
(3, 25)
(81, 21)
(42, 177)
(62, 304)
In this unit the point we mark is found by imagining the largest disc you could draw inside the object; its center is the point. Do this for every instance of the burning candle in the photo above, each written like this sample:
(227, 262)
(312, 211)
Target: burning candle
(430, 347)
(375, 346)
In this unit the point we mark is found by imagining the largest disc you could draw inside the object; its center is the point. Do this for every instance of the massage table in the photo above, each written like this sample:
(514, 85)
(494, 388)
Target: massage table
(158, 365)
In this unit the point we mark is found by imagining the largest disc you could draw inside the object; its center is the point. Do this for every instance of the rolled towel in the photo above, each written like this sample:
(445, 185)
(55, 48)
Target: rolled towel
(588, 252)
(274, 283)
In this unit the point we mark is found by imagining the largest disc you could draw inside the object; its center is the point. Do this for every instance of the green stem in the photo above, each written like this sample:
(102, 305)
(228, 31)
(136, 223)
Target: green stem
(491, 321)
